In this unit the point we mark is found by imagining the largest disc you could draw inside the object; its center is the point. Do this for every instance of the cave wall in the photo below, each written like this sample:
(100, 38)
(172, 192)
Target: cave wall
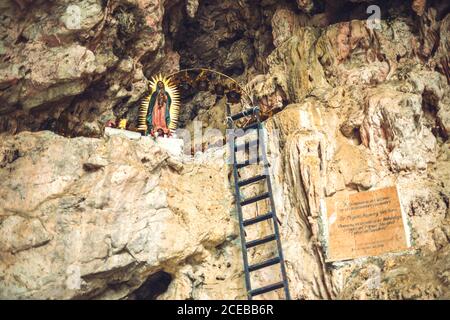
(117, 219)
(70, 68)
(353, 108)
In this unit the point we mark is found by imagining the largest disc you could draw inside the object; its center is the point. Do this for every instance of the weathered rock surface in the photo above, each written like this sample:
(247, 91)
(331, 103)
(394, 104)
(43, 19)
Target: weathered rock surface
(349, 109)
(107, 215)
(75, 66)
(359, 118)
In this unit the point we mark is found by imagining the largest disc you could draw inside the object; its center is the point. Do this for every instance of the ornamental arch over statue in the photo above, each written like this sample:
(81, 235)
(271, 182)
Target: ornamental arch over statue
(162, 109)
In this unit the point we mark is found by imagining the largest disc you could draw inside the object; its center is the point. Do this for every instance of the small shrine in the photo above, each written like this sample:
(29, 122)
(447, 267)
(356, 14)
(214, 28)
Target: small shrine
(159, 111)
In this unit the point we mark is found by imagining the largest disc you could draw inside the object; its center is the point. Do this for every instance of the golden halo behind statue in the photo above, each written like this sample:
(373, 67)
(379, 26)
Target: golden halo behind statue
(174, 109)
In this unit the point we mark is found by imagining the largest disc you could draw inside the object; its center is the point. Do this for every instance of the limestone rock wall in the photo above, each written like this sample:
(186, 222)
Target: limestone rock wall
(94, 218)
(357, 124)
(70, 66)
(348, 108)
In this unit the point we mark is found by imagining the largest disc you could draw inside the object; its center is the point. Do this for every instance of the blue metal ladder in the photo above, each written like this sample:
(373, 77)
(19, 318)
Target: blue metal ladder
(240, 202)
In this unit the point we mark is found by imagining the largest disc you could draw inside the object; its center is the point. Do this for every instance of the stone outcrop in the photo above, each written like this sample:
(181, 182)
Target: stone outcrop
(348, 108)
(108, 215)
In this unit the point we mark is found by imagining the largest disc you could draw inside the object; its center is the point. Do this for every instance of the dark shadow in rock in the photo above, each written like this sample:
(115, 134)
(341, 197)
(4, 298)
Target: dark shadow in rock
(154, 286)
(431, 119)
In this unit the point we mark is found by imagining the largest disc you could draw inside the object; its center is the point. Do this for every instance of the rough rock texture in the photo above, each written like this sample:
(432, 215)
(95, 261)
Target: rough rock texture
(363, 118)
(107, 215)
(76, 65)
(349, 109)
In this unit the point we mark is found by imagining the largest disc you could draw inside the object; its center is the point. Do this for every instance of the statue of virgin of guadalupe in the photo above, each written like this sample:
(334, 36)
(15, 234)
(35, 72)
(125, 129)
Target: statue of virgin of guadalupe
(158, 117)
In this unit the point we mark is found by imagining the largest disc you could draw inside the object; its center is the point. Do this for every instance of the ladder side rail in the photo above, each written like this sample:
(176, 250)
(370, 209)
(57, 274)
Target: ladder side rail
(274, 214)
(239, 208)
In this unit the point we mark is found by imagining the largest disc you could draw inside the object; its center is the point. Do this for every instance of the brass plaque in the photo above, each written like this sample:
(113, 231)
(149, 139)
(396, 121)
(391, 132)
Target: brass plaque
(365, 224)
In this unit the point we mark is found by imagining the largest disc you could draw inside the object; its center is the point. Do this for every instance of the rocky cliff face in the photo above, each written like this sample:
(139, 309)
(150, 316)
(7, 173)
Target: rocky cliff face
(107, 217)
(348, 108)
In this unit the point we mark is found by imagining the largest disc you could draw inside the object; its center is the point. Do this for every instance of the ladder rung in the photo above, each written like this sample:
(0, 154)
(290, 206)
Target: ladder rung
(257, 219)
(257, 242)
(251, 126)
(242, 146)
(270, 287)
(242, 114)
(247, 162)
(251, 180)
(263, 196)
(264, 264)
